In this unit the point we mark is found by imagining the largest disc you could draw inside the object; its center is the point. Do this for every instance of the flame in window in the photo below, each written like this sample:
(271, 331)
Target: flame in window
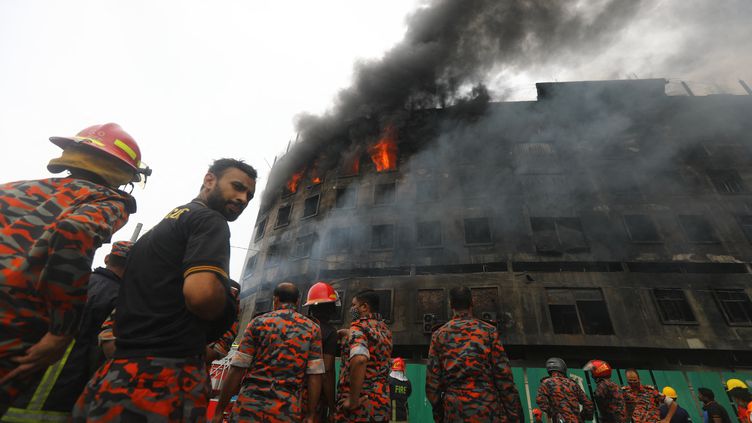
(384, 152)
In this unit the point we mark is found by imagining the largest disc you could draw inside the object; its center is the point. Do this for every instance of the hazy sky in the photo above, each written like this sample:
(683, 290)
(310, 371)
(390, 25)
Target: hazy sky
(193, 81)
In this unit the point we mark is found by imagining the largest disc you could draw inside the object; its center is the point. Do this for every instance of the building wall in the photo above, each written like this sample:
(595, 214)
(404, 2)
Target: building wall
(609, 193)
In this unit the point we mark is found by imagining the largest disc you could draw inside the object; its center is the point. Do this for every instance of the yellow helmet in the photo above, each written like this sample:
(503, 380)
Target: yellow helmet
(669, 392)
(735, 383)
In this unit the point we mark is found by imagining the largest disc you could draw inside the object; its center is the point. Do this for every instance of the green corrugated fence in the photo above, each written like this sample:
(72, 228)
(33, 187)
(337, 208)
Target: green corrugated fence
(528, 379)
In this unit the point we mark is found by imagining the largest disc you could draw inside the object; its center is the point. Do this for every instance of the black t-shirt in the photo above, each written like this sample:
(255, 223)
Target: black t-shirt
(713, 409)
(680, 416)
(399, 392)
(150, 317)
(329, 341)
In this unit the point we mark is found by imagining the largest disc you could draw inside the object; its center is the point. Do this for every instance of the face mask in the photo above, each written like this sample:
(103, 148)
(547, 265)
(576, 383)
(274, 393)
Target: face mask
(355, 313)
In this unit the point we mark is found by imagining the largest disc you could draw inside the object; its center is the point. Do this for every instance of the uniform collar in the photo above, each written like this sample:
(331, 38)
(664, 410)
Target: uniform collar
(374, 316)
(461, 314)
(287, 306)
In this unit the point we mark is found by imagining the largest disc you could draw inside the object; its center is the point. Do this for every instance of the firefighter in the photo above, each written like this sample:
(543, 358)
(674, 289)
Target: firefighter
(681, 415)
(279, 350)
(739, 393)
(49, 232)
(561, 397)
(78, 365)
(363, 387)
(644, 401)
(322, 305)
(174, 300)
(399, 391)
(468, 377)
(608, 397)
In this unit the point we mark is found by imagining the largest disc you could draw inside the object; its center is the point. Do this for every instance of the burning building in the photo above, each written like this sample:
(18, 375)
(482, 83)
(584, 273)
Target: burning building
(604, 219)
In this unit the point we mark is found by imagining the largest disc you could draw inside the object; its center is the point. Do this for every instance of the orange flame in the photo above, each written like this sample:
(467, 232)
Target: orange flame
(384, 152)
(292, 184)
(316, 180)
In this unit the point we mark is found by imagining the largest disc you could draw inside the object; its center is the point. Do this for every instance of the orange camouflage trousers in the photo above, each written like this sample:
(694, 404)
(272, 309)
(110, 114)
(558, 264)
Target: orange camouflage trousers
(146, 389)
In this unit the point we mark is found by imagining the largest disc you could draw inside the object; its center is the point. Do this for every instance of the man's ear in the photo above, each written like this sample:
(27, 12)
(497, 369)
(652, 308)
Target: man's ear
(107, 260)
(210, 180)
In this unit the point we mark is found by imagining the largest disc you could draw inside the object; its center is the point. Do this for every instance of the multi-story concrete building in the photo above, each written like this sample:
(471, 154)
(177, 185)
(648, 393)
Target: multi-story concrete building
(605, 218)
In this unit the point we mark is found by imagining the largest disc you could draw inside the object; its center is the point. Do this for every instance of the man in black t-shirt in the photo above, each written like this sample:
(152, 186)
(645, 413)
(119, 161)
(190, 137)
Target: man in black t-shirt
(322, 302)
(712, 412)
(174, 300)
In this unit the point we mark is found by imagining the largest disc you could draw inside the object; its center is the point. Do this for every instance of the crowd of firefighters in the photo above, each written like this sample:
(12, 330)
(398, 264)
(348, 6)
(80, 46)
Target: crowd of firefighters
(131, 342)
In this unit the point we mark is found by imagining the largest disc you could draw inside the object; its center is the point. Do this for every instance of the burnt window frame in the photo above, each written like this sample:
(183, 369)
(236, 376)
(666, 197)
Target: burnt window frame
(379, 192)
(662, 312)
(387, 318)
(417, 233)
(260, 229)
(651, 220)
(267, 302)
(720, 302)
(295, 254)
(721, 179)
(279, 257)
(316, 209)
(681, 219)
(251, 264)
(279, 224)
(344, 189)
(373, 238)
(578, 311)
(465, 231)
(558, 222)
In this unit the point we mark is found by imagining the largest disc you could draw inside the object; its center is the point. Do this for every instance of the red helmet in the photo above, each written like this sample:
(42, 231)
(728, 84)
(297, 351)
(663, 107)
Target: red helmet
(398, 364)
(598, 368)
(109, 138)
(321, 292)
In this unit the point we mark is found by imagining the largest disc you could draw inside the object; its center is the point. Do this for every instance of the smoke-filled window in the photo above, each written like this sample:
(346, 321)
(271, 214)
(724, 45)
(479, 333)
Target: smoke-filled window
(553, 235)
(260, 229)
(697, 228)
(311, 206)
(384, 193)
(477, 231)
(250, 266)
(577, 311)
(385, 303)
(641, 228)
(338, 240)
(304, 246)
(426, 191)
(673, 306)
(428, 233)
(736, 306)
(727, 181)
(345, 197)
(262, 306)
(273, 255)
(283, 215)
(382, 237)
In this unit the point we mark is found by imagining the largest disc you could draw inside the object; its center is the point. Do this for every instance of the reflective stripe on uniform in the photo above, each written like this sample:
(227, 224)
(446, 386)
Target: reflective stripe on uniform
(48, 381)
(20, 415)
(33, 411)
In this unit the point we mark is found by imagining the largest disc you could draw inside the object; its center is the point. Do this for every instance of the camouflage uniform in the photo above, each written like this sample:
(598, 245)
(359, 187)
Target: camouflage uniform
(369, 336)
(643, 405)
(223, 345)
(145, 389)
(49, 231)
(610, 401)
(278, 350)
(560, 398)
(468, 377)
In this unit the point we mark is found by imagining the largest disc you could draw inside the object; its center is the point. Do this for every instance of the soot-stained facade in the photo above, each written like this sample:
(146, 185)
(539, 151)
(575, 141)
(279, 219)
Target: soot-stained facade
(604, 219)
